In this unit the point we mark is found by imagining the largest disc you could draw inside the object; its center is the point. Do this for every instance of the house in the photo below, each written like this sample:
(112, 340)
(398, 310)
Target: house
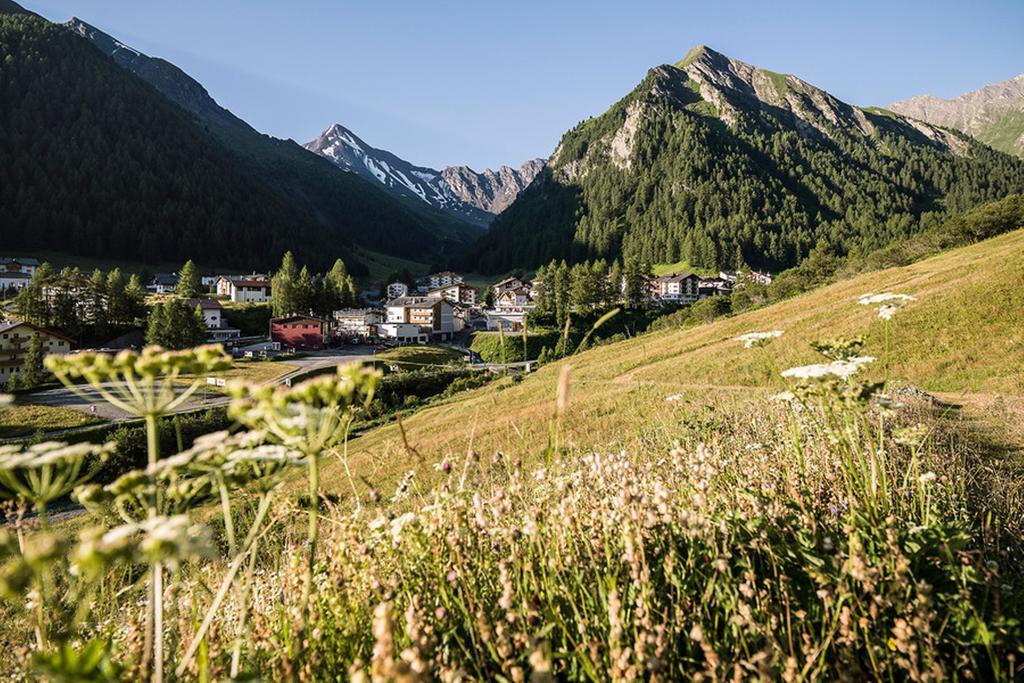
(14, 340)
(248, 289)
(396, 290)
(19, 264)
(404, 333)
(512, 299)
(299, 332)
(509, 320)
(456, 294)
(509, 283)
(443, 279)
(163, 283)
(357, 322)
(675, 288)
(208, 281)
(714, 286)
(224, 284)
(434, 314)
(217, 329)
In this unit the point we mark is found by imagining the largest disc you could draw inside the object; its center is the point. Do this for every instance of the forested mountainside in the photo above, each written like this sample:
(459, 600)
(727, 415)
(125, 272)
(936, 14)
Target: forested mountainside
(719, 163)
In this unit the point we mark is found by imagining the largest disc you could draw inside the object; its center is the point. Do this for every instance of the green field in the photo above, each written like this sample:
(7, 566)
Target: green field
(26, 420)
(415, 357)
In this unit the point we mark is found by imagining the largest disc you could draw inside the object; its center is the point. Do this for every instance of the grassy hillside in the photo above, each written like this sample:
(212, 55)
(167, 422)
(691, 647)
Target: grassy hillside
(964, 334)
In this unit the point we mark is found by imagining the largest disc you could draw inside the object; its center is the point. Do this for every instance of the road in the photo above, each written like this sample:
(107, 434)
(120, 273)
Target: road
(88, 400)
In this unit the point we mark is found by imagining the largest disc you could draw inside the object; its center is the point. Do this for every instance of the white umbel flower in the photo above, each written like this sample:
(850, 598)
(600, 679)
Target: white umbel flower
(843, 369)
(757, 338)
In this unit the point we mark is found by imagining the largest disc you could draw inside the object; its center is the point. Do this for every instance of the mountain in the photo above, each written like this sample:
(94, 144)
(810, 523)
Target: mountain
(993, 114)
(718, 163)
(459, 190)
(492, 191)
(98, 163)
(340, 204)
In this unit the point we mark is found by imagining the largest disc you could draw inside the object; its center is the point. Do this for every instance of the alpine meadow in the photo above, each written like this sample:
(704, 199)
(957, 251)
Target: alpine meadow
(728, 386)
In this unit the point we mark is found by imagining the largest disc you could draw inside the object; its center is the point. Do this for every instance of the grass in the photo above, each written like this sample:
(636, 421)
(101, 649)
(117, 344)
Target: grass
(382, 265)
(680, 267)
(417, 356)
(640, 510)
(970, 311)
(1005, 133)
(26, 420)
(253, 371)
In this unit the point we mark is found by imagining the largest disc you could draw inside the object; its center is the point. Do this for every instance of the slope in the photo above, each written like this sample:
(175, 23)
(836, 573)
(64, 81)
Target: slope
(718, 163)
(964, 335)
(340, 204)
(97, 163)
(993, 114)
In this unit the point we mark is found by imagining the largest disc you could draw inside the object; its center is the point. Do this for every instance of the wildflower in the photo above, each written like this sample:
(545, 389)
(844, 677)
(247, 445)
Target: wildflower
(843, 369)
(757, 338)
(888, 302)
(911, 436)
(784, 396)
(927, 477)
(46, 471)
(674, 397)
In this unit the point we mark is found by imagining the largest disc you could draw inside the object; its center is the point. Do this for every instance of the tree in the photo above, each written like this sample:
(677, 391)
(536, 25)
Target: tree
(32, 371)
(305, 292)
(173, 325)
(99, 316)
(282, 287)
(190, 284)
(339, 289)
(135, 299)
(118, 308)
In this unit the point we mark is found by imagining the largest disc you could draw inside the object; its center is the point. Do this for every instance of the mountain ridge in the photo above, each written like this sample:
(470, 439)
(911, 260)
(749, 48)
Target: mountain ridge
(472, 196)
(340, 203)
(993, 113)
(721, 163)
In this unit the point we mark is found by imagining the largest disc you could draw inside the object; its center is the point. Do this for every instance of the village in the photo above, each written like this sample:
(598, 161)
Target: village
(439, 308)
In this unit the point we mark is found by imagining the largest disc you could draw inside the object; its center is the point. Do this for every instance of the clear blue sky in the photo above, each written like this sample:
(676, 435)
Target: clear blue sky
(483, 83)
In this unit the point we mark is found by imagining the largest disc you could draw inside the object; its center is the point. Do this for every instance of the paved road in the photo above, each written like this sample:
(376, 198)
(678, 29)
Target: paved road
(88, 400)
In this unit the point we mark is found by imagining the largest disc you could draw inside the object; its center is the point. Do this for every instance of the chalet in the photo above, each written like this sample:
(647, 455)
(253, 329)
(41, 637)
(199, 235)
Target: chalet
(224, 284)
(250, 289)
(299, 332)
(163, 283)
(510, 283)
(443, 279)
(456, 294)
(217, 329)
(714, 286)
(511, 299)
(357, 322)
(19, 264)
(396, 290)
(14, 341)
(675, 288)
(433, 314)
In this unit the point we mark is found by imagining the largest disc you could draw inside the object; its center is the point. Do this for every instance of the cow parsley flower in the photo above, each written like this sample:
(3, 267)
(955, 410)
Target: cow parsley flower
(842, 369)
(757, 338)
(889, 303)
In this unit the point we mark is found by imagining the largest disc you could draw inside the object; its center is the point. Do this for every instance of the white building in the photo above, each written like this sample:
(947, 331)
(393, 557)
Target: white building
(506, 319)
(12, 280)
(444, 279)
(404, 333)
(357, 322)
(247, 289)
(434, 314)
(19, 264)
(396, 290)
(510, 299)
(677, 289)
(456, 294)
(163, 283)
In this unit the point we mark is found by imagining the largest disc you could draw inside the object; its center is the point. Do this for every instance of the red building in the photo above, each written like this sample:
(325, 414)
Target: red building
(299, 332)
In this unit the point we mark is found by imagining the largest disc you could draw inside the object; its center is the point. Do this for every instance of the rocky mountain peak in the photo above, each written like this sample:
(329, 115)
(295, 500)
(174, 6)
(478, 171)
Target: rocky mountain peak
(475, 197)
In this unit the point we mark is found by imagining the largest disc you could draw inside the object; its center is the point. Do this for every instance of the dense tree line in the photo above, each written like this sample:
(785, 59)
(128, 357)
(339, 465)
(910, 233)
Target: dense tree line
(174, 325)
(758, 191)
(297, 290)
(98, 163)
(87, 309)
(588, 286)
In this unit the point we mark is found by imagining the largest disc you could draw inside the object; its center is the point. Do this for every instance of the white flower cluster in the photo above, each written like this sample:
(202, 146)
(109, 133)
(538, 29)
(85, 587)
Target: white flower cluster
(843, 369)
(888, 303)
(757, 338)
(47, 453)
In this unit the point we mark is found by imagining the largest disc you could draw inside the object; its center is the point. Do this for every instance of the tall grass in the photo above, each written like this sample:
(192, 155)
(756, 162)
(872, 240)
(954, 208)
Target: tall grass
(837, 531)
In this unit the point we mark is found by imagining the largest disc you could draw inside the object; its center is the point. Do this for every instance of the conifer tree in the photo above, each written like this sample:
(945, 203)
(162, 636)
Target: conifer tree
(190, 284)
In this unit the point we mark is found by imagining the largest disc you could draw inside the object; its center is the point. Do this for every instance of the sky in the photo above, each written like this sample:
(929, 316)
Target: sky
(483, 83)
